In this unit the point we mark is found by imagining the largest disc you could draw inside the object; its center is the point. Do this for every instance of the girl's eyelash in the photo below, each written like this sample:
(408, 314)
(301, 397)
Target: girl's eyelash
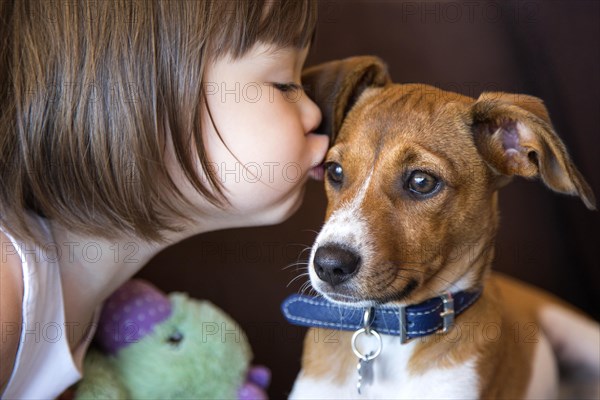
(286, 87)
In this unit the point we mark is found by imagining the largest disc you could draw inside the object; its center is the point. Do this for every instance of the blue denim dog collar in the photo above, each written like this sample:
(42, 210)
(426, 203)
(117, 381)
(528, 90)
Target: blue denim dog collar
(409, 322)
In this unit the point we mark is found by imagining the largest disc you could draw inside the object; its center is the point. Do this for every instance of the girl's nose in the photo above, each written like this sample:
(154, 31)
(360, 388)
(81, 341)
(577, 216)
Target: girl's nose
(311, 114)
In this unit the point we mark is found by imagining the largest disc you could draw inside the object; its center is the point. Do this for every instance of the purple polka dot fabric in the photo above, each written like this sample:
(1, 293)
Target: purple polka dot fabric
(131, 313)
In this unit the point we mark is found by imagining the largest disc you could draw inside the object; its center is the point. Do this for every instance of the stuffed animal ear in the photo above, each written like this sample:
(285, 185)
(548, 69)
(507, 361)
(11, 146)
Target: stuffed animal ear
(336, 85)
(514, 135)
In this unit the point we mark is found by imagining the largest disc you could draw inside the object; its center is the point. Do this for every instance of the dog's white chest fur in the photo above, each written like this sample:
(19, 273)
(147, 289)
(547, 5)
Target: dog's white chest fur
(392, 379)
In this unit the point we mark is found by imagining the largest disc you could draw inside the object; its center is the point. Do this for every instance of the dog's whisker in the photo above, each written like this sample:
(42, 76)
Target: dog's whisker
(311, 231)
(302, 253)
(298, 260)
(303, 264)
(300, 245)
(297, 278)
(305, 287)
(308, 289)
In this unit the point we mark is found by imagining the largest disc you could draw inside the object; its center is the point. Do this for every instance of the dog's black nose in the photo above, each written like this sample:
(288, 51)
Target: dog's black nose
(335, 264)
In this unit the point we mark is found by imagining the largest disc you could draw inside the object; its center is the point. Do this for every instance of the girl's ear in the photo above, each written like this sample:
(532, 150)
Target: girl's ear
(514, 135)
(336, 85)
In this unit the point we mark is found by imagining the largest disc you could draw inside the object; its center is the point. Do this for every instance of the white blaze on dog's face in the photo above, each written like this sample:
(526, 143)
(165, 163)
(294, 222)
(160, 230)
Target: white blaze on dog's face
(412, 186)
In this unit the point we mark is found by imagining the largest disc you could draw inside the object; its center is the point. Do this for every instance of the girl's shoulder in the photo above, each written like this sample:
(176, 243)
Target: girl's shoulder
(11, 299)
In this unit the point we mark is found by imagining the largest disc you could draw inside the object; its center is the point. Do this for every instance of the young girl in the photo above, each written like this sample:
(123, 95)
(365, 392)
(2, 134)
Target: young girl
(126, 126)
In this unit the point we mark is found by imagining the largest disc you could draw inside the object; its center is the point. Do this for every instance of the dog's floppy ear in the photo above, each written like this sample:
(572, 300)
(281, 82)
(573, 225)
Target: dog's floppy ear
(514, 135)
(336, 85)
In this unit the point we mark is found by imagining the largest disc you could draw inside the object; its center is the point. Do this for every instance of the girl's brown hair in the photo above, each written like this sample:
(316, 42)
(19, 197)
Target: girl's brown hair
(88, 91)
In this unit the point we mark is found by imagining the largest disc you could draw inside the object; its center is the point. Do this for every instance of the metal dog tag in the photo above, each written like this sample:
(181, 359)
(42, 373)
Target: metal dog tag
(365, 364)
(365, 371)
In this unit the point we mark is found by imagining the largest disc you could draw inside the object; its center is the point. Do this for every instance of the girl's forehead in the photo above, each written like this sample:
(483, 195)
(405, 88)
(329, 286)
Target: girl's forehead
(268, 52)
(260, 49)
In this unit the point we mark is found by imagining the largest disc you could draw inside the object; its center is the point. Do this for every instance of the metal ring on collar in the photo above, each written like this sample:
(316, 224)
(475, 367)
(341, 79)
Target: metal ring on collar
(371, 355)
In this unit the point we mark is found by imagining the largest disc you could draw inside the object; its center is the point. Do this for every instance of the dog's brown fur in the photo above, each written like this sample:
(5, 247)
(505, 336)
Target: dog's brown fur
(424, 245)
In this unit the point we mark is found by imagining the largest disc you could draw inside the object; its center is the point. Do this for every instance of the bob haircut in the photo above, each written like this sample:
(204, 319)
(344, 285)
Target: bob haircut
(89, 90)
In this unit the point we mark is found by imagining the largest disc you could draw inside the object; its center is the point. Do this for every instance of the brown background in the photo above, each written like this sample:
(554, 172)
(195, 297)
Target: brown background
(547, 49)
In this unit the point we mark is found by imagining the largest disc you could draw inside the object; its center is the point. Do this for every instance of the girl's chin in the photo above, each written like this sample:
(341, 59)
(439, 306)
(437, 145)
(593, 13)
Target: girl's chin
(272, 215)
(286, 210)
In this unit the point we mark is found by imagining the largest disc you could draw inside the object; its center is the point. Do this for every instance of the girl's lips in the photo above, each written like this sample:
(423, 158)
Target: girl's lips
(317, 173)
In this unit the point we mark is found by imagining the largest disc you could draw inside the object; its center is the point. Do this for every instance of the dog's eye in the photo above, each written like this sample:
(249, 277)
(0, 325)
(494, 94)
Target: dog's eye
(422, 183)
(335, 173)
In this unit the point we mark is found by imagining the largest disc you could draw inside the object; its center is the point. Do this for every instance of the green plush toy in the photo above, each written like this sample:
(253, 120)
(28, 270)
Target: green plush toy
(150, 346)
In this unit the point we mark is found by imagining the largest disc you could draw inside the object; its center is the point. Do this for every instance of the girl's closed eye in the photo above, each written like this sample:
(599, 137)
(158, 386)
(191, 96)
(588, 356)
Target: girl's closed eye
(286, 87)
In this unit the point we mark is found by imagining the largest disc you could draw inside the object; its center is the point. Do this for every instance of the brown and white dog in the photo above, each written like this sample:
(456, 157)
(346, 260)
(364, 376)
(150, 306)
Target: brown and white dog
(412, 182)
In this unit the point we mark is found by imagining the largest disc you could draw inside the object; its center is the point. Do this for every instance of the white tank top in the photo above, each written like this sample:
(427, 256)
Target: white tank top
(44, 366)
